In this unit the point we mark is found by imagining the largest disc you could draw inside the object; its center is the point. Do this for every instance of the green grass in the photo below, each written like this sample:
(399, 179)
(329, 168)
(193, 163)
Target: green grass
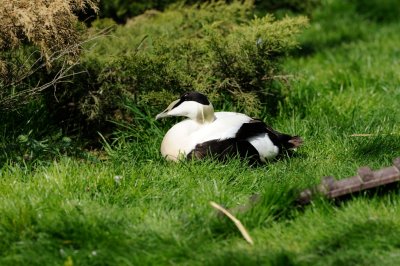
(73, 211)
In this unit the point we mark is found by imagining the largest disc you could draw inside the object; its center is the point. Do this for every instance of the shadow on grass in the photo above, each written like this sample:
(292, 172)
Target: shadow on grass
(243, 257)
(375, 147)
(355, 244)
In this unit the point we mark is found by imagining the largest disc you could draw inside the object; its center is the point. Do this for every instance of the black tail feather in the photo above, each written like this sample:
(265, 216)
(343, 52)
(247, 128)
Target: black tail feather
(294, 142)
(256, 127)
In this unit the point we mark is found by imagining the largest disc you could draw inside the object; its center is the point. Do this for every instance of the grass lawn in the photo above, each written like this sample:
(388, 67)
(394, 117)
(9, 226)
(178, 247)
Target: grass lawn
(136, 209)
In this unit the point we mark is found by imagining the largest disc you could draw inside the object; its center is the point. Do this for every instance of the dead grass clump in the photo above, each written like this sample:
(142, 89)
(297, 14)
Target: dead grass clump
(40, 41)
(50, 25)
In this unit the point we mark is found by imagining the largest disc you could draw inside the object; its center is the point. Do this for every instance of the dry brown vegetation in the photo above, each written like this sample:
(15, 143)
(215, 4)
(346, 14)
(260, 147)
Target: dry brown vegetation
(37, 35)
(48, 24)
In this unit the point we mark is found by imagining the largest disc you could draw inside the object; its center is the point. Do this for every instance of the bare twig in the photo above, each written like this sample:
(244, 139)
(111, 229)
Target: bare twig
(62, 75)
(238, 224)
(372, 135)
(361, 135)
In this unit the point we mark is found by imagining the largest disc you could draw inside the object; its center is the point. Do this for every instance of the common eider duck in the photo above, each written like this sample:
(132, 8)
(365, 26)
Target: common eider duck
(219, 134)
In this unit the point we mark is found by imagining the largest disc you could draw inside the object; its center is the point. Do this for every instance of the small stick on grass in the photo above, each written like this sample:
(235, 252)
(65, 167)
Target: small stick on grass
(238, 224)
(373, 135)
(362, 135)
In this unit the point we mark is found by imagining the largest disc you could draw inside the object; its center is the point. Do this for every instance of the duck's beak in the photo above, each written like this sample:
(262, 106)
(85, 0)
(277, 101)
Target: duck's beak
(165, 113)
(162, 114)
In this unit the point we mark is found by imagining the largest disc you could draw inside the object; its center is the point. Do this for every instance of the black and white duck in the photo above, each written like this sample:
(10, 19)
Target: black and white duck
(219, 134)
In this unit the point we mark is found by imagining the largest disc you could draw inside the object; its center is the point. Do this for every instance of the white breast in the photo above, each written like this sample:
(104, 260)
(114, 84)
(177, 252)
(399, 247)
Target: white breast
(177, 140)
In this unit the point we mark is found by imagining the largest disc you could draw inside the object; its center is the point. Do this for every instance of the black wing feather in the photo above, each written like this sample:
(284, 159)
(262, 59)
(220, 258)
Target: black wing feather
(256, 127)
(221, 149)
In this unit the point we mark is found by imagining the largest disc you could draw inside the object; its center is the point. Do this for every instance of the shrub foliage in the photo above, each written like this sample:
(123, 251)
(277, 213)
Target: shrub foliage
(213, 48)
(122, 10)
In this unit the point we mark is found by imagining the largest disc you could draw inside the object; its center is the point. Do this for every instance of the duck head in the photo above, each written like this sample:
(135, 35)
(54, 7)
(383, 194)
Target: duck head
(193, 105)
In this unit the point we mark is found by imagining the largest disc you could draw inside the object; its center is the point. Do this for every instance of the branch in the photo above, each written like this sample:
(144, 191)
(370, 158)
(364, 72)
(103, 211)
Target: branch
(364, 180)
(65, 72)
(8, 103)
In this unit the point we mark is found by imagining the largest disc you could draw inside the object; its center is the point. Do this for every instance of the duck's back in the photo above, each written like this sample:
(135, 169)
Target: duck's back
(225, 126)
